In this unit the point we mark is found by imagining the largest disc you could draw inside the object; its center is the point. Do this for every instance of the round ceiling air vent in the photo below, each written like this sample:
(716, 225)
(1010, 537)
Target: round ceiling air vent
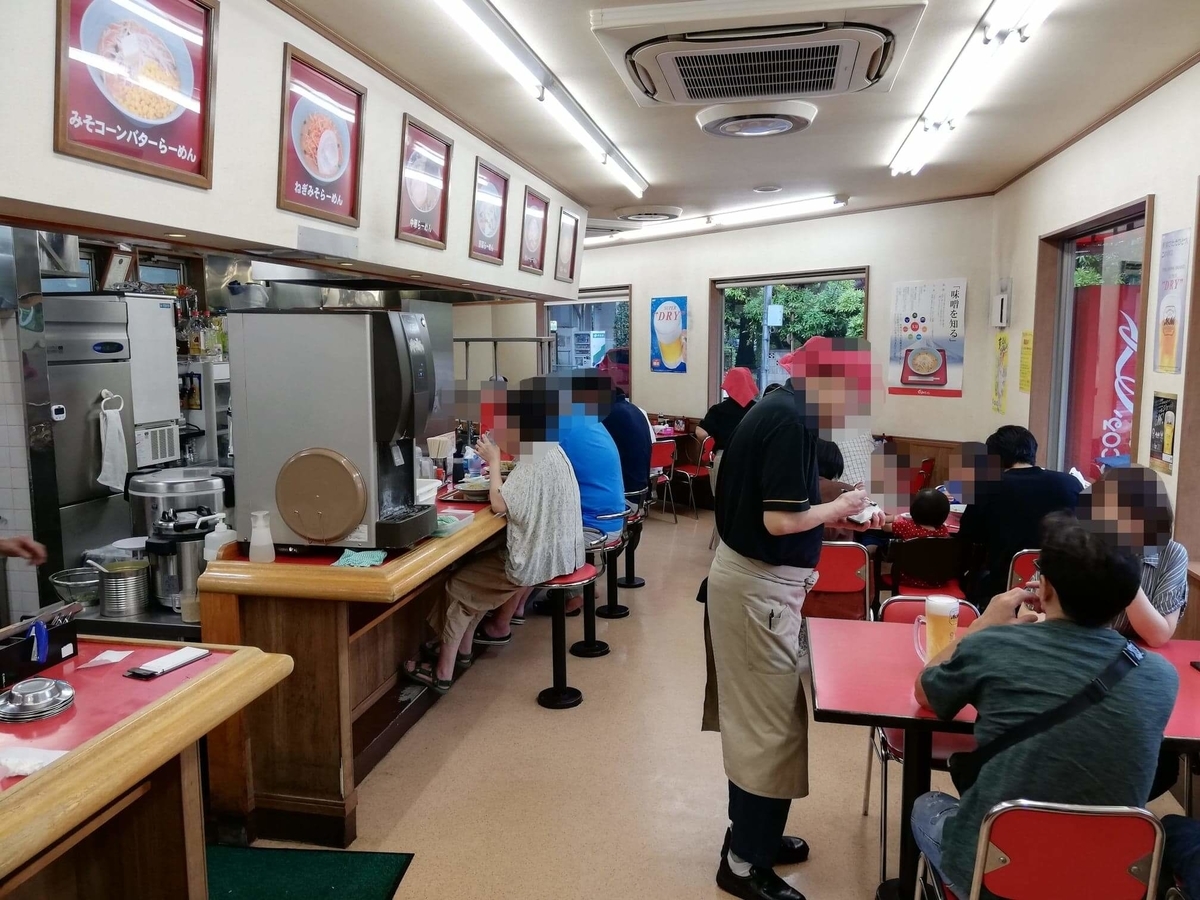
(753, 120)
(649, 213)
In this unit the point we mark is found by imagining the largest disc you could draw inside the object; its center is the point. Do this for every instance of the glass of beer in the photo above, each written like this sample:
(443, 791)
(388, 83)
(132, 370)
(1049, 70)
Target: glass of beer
(941, 626)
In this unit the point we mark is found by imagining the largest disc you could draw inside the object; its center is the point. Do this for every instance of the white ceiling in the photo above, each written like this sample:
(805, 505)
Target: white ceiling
(1090, 57)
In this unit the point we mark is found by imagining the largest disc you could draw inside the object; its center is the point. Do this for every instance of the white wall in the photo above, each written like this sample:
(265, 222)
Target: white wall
(1148, 149)
(515, 361)
(918, 242)
(241, 204)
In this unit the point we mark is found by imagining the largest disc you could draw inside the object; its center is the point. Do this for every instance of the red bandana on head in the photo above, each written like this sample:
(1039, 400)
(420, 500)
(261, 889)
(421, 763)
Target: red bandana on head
(740, 385)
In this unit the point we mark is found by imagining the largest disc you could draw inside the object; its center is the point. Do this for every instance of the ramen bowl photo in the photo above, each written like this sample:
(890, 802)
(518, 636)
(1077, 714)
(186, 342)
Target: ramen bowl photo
(925, 361)
(151, 77)
(321, 141)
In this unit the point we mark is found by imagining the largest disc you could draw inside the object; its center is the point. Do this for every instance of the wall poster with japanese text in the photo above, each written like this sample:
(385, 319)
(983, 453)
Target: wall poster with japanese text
(668, 334)
(489, 213)
(1172, 300)
(1162, 432)
(320, 140)
(925, 355)
(424, 185)
(134, 86)
(533, 232)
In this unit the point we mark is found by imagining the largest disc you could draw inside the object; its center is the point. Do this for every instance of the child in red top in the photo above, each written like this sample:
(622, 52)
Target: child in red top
(926, 517)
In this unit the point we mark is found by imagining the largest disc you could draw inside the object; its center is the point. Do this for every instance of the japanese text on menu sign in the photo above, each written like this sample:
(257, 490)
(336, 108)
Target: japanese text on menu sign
(424, 177)
(322, 130)
(137, 82)
(925, 355)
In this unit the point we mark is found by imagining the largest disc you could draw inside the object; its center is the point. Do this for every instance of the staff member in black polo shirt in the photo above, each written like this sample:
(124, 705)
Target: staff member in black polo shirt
(770, 520)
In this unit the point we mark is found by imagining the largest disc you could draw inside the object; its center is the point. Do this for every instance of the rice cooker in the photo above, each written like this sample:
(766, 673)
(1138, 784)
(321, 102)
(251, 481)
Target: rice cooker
(150, 494)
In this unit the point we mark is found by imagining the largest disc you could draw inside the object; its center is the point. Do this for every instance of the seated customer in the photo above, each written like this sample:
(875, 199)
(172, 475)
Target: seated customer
(1012, 670)
(722, 418)
(631, 432)
(1007, 513)
(544, 536)
(926, 517)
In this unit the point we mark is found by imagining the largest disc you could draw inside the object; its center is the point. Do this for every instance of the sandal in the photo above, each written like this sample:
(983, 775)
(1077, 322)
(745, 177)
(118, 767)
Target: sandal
(517, 620)
(482, 637)
(423, 673)
(430, 650)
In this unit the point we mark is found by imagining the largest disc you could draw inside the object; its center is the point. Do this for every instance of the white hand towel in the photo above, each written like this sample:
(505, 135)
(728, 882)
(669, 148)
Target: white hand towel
(115, 462)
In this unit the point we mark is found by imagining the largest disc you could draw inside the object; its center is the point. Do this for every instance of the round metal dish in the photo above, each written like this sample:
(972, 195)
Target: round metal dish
(35, 698)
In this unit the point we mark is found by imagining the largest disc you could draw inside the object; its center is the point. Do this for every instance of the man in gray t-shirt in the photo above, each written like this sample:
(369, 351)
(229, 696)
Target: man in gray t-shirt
(1105, 755)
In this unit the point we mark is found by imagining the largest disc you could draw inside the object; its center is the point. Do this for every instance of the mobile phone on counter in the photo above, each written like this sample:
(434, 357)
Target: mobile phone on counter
(1196, 665)
(168, 663)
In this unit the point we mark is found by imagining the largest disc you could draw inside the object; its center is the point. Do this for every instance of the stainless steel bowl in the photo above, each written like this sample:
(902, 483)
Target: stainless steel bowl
(35, 693)
(77, 585)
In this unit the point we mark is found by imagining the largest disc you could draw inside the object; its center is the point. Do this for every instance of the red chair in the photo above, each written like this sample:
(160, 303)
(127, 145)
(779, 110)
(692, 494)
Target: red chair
(692, 472)
(923, 475)
(843, 588)
(888, 743)
(662, 456)
(1022, 568)
(1052, 851)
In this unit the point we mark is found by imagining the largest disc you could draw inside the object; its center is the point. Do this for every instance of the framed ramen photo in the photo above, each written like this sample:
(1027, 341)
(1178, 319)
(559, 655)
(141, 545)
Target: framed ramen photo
(488, 213)
(320, 140)
(568, 229)
(134, 86)
(424, 185)
(533, 232)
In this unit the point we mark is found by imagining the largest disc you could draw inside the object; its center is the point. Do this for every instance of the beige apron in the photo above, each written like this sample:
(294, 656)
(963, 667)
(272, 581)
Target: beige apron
(754, 619)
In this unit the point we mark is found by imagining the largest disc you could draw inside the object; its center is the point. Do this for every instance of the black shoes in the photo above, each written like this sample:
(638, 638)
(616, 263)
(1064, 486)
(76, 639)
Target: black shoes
(760, 884)
(792, 850)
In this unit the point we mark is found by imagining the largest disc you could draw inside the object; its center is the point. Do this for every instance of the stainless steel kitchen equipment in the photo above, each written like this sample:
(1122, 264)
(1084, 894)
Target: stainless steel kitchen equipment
(124, 588)
(328, 404)
(151, 494)
(176, 554)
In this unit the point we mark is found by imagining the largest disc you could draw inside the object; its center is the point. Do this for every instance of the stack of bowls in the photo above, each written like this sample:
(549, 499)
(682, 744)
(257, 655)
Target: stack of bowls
(35, 698)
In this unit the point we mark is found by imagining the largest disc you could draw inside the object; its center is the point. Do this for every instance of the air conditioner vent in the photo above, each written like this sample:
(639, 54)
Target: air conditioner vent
(755, 74)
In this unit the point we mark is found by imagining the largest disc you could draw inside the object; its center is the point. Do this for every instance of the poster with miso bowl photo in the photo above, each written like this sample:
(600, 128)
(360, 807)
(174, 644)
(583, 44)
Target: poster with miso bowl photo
(668, 335)
(925, 354)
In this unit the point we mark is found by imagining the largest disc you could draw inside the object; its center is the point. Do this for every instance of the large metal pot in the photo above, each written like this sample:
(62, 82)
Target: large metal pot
(150, 494)
(176, 554)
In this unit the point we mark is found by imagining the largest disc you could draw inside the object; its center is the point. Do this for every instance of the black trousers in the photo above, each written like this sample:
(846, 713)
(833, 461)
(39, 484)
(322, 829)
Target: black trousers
(757, 825)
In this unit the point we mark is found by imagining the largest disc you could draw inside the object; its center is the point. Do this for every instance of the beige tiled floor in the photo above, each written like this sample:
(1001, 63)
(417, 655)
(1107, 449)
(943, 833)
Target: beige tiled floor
(622, 797)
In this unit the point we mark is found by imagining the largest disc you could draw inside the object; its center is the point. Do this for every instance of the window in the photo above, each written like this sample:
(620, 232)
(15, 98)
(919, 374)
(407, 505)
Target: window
(1097, 365)
(592, 334)
(160, 270)
(794, 309)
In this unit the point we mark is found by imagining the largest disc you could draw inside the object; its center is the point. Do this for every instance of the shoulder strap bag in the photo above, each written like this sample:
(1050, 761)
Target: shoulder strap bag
(965, 767)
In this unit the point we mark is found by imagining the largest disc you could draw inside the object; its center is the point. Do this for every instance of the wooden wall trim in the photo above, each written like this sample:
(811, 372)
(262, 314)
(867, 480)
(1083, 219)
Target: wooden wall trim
(1145, 345)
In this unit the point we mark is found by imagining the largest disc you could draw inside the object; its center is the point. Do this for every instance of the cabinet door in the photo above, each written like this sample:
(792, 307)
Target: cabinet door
(77, 459)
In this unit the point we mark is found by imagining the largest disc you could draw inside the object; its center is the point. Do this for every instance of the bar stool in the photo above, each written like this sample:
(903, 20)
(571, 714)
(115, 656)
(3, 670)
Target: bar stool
(561, 695)
(589, 647)
(613, 609)
(642, 500)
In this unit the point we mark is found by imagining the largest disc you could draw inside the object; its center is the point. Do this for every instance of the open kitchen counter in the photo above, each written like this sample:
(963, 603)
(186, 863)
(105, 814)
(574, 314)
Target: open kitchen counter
(120, 814)
(289, 766)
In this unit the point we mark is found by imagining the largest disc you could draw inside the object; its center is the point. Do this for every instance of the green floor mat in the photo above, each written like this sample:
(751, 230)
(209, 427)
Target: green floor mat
(241, 873)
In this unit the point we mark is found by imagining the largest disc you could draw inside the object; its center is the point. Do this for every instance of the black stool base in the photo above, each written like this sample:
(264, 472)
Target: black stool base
(589, 649)
(612, 611)
(560, 698)
(634, 582)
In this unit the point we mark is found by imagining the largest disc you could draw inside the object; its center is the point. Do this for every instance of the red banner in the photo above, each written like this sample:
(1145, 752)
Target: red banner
(135, 89)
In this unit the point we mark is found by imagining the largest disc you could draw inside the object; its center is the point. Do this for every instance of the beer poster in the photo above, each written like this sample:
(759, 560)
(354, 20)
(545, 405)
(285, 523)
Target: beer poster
(925, 355)
(1162, 432)
(1172, 301)
(668, 335)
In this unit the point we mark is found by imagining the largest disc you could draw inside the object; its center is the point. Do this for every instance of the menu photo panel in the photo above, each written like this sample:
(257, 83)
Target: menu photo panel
(320, 140)
(135, 85)
(533, 232)
(488, 213)
(568, 230)
(424, 185)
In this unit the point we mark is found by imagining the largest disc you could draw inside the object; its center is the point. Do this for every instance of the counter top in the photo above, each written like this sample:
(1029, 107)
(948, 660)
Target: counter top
(317, 580)
(119, 732)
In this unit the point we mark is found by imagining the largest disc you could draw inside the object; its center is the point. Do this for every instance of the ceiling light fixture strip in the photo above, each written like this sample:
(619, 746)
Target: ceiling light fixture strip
(1005, 26)
(492, 32)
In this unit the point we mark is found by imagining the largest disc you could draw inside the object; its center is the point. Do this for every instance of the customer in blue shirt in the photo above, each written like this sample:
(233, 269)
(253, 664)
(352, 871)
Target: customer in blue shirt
(630, 430)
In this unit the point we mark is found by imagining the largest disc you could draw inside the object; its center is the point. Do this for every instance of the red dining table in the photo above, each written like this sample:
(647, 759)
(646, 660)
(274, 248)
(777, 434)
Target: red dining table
(863, 674)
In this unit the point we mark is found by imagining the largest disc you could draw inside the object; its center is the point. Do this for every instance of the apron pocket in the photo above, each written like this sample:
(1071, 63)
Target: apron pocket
(772, 640)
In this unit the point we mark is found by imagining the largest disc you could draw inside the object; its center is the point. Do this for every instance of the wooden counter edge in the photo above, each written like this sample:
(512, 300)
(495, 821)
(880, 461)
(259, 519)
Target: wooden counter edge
(50, 803)
(383, 584)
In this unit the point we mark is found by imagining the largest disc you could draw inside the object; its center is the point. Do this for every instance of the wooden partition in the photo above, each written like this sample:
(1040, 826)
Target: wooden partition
(918, 449)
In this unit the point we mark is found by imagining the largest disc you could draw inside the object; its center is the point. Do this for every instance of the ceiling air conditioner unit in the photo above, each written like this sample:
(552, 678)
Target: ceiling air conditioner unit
(608, 227)
(727, 51)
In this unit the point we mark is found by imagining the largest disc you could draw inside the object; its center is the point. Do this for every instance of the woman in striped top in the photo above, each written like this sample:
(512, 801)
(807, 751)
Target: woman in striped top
(1135, 504)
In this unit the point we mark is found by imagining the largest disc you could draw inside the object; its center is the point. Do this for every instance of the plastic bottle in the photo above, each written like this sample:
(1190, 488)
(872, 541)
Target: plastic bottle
(262, 546)
(473, 460)
(216, 539)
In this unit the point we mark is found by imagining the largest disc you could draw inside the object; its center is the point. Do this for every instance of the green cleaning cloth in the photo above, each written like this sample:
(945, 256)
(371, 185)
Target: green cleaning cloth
(362, 559)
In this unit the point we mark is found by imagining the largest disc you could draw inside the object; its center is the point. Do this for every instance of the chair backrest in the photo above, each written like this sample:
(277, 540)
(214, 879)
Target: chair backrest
(932, 560)
(662, 455)
(1051, 851)
(843, 588)
(707, 450)
(904, 608)
(922, 476)
(1022, 568)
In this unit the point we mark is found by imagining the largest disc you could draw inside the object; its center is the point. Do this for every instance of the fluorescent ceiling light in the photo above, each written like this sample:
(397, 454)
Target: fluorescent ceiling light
(491, 31)
(779, 211)
(1006, 26)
